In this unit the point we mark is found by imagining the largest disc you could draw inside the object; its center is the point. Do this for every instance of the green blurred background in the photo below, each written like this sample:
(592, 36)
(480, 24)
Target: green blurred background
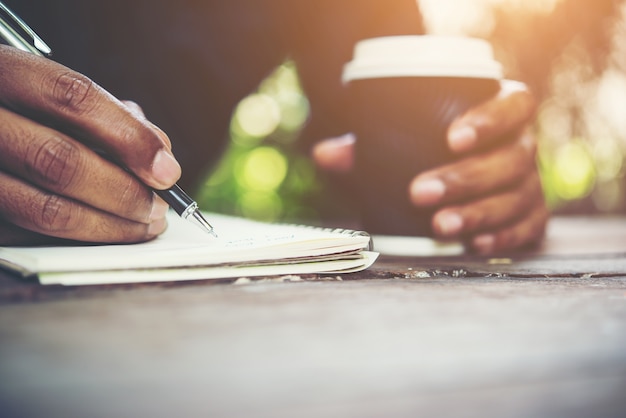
(571, 54)
(262, 176)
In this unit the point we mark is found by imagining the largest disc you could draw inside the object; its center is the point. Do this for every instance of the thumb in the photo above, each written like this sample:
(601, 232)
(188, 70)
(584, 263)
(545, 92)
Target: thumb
(335, 154)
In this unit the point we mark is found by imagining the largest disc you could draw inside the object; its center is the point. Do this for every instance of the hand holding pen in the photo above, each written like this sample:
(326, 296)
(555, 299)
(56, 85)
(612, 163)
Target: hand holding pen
(52, 184)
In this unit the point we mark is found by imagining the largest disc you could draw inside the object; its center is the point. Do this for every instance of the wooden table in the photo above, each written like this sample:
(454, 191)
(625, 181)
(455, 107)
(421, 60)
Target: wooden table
(536, 334)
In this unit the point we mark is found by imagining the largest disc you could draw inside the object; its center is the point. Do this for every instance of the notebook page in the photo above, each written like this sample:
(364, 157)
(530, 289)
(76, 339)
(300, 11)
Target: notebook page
(184, 244)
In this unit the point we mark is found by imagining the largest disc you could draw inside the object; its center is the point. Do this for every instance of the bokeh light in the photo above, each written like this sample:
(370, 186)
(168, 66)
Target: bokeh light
(261, 169)
(257, 116)
(574, 173)
(261, 176)
(263, 206)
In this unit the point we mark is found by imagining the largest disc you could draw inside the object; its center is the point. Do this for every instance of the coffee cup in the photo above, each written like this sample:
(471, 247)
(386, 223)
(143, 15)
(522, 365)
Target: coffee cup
(404, 93)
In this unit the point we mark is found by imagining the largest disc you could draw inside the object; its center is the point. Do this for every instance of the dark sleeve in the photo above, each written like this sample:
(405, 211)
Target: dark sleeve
(188, 64)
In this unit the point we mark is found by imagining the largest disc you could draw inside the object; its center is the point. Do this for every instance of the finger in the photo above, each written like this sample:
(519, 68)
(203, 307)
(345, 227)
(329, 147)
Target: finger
(136, 110)
(492, 212)
(44, 213)
(55, 162)
(528, 231)
(13, 235)
(476, 175)
(483, 125)
(80, 107)
(335, 154)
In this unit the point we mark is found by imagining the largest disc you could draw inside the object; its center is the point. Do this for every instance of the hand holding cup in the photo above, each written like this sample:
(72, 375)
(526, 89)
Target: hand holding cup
(405, 92)
(488, 193)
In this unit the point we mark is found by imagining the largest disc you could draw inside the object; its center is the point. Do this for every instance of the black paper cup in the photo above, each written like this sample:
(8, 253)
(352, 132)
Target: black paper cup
(405, 91)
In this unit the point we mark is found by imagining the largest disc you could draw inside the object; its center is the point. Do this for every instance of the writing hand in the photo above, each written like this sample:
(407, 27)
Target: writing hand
(53, 185)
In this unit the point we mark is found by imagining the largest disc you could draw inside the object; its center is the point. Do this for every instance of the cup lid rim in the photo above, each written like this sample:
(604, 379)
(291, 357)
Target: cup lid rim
(420, 56)
(389, 71)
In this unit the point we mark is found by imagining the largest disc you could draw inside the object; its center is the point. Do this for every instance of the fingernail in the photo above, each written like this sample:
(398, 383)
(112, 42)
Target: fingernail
(165, 168)
(462, 138)
(449, 223)
(427, 191)
(343, 140)
(335, 154)
(157, 227)
(484, 244)
(159, 208)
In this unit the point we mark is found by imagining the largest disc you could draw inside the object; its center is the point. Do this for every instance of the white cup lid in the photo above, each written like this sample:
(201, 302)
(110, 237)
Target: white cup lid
(422, 56)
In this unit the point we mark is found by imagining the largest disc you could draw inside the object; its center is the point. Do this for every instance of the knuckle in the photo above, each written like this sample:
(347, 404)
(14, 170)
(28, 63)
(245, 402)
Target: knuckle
(126, 232)
(57, 214)
(73, 92)
(528, 232)
(477, 220)
(531, 193)
(134, 199)
(53, 162)
(506, 242)
(508, 239)
(455, 179)
(518, 159)
(141, 144)
(129, 134)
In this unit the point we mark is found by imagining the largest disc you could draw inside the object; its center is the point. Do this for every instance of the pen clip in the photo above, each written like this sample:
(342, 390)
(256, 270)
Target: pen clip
(19, 35)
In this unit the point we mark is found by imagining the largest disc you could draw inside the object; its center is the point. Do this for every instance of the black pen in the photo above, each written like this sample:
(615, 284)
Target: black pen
(16, 33)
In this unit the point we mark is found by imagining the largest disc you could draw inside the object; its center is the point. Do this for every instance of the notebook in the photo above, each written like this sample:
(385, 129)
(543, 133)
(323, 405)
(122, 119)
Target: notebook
(244, 248)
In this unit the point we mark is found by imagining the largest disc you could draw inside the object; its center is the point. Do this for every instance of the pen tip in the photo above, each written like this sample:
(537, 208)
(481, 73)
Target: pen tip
(203, 223)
